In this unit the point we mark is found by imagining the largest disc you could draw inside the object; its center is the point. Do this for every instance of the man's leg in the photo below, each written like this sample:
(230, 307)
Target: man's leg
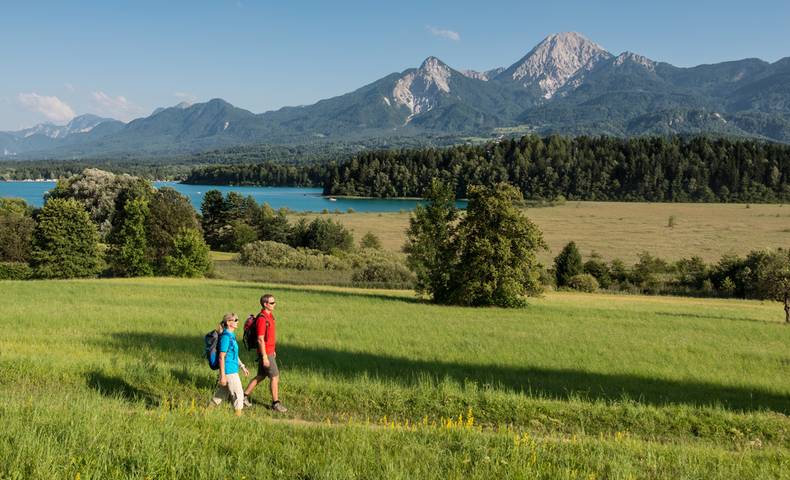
(274, 387)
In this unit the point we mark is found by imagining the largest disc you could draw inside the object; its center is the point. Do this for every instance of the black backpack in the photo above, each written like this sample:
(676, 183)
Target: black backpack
(211, 349)
(250, 338)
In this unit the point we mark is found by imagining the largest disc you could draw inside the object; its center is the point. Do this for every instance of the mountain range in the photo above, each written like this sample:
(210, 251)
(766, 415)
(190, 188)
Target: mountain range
(566, 84)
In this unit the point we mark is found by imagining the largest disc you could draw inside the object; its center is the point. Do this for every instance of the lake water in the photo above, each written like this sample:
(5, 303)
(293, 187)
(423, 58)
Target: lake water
(293, 198)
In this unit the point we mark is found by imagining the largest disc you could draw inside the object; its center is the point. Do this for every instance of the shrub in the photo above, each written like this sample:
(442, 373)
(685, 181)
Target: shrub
(279, 255)
(384, 272)
(567, 264)
(65, 241)
(241, 234)
(596, 267)
(583, 282)
(370, 240)
(321, 234)
(265, 253)
(15, 271)
(189, 256)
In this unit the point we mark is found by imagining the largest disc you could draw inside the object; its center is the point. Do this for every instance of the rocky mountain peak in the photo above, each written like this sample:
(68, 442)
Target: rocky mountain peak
(418, 89)
(555, 60)
(632, 57)
(484, 76)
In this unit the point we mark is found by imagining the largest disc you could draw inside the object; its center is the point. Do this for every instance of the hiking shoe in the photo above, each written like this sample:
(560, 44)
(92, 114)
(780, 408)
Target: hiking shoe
(247, 402)
(279, 407)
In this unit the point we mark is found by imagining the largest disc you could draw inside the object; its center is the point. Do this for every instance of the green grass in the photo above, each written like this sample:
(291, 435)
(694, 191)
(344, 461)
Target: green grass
(104, 378)
(623, 230)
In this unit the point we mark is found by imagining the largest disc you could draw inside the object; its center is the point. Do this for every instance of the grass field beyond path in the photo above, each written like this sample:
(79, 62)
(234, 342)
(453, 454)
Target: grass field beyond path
(623, 230)
(104, 378)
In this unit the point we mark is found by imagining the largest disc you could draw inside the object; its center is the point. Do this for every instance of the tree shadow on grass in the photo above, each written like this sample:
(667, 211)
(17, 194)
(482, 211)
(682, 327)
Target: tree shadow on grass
(333, 293)
(702, 316)
(184, 377)
(556, 383)
(117, 387)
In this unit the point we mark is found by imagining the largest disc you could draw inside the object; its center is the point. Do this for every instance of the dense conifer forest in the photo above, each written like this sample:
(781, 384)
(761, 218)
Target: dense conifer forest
(655, 169)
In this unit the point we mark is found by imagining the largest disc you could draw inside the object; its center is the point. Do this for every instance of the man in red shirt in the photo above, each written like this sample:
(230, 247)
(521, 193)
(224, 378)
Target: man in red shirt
(267, 363)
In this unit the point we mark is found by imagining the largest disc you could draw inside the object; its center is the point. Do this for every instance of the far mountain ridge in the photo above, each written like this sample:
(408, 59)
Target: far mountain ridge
(566, 84)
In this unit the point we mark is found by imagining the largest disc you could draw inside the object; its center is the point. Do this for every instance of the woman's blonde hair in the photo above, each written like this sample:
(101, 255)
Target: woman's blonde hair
(225, 319)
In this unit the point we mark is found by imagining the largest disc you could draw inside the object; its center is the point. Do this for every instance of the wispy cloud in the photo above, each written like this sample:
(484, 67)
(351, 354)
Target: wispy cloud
(69, 87)
(185, 97)
(444, 33)
(53, 108)
(116, 107)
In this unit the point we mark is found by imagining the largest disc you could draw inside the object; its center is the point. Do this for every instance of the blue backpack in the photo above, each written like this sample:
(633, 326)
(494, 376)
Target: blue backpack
(212, 349)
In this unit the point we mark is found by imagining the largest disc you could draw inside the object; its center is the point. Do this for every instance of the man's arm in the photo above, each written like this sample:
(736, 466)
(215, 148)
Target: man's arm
(262, 349)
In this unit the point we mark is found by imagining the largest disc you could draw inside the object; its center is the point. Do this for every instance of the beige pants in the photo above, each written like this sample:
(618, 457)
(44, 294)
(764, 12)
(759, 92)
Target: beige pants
(233, 390)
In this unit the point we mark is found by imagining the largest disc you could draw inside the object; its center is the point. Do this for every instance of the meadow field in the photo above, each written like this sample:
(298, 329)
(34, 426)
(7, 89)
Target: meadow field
(104, 379)
(623, 230)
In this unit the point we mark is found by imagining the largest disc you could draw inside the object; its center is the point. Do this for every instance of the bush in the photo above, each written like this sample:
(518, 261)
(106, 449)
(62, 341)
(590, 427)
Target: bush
(596, 267)
(583, 282)
(189, 255)
(370, 240)
(321, 234)
(567, 264)
(384, 272)
(279, 255)
(15, 271)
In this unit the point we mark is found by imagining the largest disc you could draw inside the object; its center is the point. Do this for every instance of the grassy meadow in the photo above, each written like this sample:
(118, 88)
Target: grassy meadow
(104, 379)
(623, 230)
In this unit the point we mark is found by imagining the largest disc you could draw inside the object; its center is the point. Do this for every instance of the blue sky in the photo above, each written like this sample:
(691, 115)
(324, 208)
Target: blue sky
(125, 58)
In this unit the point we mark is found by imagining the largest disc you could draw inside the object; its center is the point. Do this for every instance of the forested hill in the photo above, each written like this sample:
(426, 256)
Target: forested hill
(653, 169)
(582, 168)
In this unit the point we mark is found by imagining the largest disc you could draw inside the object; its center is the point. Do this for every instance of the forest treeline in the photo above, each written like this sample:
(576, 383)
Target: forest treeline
(655, 169)
(265, 174)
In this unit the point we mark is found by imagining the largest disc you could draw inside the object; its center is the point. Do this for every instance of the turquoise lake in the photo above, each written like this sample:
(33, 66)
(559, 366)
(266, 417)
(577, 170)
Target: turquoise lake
(293, 198)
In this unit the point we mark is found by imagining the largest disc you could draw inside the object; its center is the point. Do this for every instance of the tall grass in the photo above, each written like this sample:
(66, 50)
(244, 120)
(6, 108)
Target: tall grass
(104, 378)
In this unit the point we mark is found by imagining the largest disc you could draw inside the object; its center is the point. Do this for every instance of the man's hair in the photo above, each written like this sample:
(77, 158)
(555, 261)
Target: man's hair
(266, 298)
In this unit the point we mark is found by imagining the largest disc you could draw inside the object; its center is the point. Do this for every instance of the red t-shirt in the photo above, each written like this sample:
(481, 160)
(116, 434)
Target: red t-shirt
(269, 336)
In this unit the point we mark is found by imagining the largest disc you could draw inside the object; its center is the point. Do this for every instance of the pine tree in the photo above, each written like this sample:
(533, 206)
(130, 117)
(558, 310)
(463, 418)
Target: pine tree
(567, 264)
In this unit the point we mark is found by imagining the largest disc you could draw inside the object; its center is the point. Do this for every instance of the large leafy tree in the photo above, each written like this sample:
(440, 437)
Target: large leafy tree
(129, 244)
(189, 256)
(99, 191)
(774, 279)
(488, 257)
(497, 250)
(429, 244)
(65, 241)
(16, 230)
(169, 213)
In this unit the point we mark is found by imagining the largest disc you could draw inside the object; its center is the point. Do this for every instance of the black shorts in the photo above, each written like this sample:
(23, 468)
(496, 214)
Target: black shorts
(271, 371)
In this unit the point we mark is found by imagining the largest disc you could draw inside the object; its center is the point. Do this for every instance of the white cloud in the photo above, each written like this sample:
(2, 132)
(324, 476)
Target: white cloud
(69, 87)
(444, 33)
(51, 107)
(116, 107)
